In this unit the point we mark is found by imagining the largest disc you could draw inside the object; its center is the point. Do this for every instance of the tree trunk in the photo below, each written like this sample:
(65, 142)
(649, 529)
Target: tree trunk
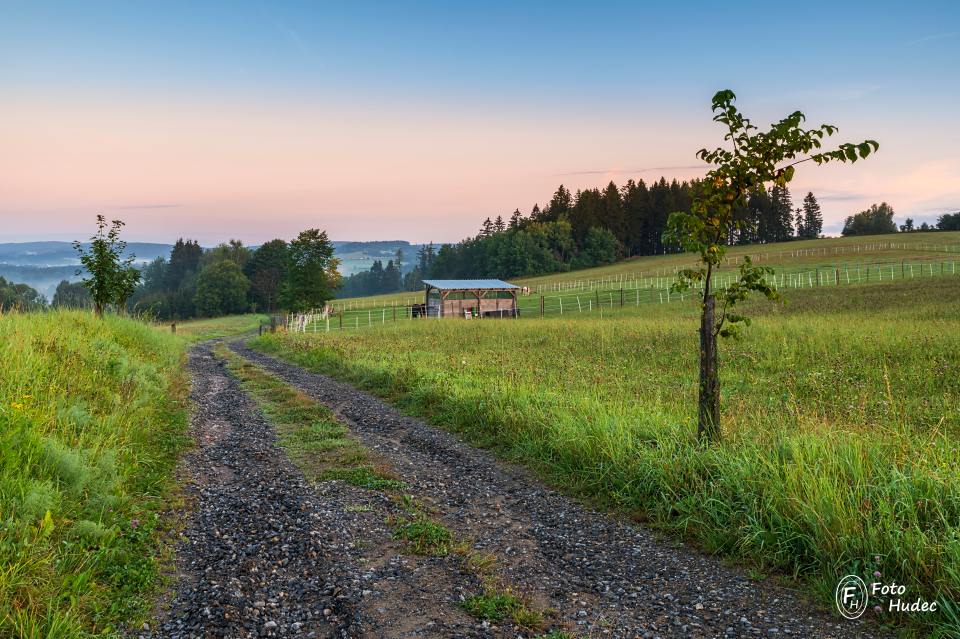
(708, 427)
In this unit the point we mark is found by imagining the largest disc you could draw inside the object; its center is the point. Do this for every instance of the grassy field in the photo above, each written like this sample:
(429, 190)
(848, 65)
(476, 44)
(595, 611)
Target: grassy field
(92, 418)
(786, 257)
(841, 421)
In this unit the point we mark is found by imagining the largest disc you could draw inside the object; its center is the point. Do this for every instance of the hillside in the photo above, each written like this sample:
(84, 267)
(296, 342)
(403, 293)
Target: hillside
(840, 411)
(92, 421)
(785, 257)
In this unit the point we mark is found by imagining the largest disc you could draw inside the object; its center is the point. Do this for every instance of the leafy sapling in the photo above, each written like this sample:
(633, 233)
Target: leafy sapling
(749, 161)
(112, 279)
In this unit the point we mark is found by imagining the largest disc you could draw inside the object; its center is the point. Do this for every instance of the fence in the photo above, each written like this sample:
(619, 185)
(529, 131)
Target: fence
(661, 278)
(652, 290)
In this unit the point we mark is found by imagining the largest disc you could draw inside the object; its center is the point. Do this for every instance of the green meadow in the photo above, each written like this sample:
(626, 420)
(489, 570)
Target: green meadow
(92, 418)
(841, 414)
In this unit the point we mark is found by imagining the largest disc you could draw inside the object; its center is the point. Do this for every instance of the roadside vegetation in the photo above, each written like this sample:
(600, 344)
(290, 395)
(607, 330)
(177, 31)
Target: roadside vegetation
(92, 418)
(841, 418)
(211, 328)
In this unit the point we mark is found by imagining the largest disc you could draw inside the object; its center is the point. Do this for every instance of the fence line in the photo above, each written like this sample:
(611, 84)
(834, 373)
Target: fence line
(659, 278)
(654, 291)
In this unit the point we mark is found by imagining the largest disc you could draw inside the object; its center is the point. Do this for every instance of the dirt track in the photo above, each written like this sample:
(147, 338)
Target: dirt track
(267, 554)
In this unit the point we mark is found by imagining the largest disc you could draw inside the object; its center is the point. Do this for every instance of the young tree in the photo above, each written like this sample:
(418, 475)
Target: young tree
(111, 278)
(812, 218)
(752, 160)
(312, 275)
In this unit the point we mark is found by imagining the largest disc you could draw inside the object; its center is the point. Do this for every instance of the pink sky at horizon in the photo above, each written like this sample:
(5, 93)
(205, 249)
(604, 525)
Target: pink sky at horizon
(256, 169)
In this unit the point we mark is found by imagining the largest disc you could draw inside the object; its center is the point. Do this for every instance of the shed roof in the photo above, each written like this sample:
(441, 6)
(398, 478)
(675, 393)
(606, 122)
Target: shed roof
(472, 285)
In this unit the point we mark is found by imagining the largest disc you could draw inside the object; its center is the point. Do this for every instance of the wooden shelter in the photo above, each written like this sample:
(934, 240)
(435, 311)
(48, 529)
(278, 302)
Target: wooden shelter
(470, 298)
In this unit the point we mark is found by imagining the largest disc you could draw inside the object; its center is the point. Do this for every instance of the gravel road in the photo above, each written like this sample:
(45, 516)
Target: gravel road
(266, 554)
(605, 577)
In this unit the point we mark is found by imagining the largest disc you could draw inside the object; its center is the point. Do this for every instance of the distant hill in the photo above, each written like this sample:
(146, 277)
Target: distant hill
(43, 265)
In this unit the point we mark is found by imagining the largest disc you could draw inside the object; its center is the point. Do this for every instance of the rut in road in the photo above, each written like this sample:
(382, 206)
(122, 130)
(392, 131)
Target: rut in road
(266, 554)
(602, 576)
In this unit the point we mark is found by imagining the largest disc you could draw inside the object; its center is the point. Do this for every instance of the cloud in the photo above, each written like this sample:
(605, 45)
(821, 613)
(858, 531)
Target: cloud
(652, 168)
(933, 37)
(148, 206)
(839, 196)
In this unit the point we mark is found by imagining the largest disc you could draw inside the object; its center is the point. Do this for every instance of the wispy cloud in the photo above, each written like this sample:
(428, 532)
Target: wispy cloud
(933, 37)
(646, 170)
(839, 196)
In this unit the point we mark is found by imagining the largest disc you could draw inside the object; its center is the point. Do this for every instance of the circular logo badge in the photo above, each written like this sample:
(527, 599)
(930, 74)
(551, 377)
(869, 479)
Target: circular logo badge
(851, 596)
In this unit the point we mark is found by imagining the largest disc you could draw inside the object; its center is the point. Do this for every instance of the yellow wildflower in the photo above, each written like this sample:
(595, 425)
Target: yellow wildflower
(16, 405)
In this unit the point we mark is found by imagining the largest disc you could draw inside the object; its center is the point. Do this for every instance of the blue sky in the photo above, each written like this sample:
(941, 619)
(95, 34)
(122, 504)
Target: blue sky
(415, 120)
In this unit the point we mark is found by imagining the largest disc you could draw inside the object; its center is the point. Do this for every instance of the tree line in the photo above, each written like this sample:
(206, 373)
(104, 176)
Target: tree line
(591, 227)
(233, 278)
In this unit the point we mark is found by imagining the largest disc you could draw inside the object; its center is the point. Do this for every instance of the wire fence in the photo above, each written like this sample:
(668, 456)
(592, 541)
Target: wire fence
(661, 278)
(636, 292)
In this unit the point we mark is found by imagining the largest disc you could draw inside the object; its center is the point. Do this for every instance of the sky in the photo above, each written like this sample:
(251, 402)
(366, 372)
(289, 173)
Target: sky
(416, 120)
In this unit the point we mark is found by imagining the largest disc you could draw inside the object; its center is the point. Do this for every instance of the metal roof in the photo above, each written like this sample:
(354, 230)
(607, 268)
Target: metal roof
(447, 285)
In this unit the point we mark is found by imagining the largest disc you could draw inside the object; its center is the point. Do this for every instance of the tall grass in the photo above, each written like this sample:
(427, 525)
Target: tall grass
(842, 417)
(92, 415)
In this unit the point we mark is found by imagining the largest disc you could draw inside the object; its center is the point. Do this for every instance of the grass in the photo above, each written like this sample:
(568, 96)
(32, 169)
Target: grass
(841, 421)
(92, 417)
(423, 536)
(203, 329)
(783, 257)
(308, 432)
(496, 605)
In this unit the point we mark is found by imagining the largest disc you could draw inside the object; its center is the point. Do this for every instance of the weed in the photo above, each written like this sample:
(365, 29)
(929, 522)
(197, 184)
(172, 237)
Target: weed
(423, 536)
(362, 476)
(497, 605)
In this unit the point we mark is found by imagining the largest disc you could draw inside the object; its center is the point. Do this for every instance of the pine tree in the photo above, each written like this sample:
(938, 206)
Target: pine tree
(781, 214)
(516, 219)
(486, 230)
(812, 217)
(798, 218)
(498, 225)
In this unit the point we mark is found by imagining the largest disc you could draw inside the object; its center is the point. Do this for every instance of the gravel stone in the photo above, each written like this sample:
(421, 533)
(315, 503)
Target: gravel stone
(561, 554)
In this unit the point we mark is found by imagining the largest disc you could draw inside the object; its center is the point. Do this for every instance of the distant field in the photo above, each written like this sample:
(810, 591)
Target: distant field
(841, 420)
(786, 257)
(92, 417)
(210, 328)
